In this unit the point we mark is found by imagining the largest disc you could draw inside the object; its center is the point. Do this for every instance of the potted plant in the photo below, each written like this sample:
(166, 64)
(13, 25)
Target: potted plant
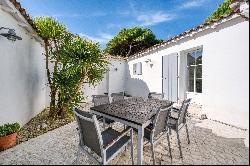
(8, 135)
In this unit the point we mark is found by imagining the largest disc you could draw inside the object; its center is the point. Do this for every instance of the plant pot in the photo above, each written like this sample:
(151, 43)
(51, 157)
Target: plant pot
(7, 141)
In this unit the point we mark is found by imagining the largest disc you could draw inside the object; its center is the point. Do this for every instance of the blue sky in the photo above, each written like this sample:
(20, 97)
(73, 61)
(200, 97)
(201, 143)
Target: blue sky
(100, 20)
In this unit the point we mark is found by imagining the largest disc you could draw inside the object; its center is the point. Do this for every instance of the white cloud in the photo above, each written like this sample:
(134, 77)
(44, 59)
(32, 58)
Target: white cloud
(191, 4)
(102, 38)
(73, 15)
(145, 17)
(154, 18)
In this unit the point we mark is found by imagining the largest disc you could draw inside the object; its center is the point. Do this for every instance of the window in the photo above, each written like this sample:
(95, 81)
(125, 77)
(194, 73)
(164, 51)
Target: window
(194, 71)
(137, 68)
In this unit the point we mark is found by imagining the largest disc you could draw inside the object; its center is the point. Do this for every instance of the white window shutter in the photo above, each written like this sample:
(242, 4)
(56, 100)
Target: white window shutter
(139, 68)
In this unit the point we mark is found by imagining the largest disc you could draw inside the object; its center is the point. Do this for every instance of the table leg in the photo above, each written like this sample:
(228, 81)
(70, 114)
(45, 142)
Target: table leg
(140, 146)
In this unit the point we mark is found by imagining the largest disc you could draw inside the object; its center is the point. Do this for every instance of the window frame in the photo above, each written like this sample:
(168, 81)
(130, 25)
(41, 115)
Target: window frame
(194, 86)
(137, 68)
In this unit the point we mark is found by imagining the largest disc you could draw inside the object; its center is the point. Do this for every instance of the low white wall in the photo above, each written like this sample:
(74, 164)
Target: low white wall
(22, 75)
(117, 76)
(225, 73)
(113, 81)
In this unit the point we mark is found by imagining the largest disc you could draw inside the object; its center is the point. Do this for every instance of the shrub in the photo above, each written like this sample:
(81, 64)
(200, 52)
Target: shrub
(8, 129)
(223, 10)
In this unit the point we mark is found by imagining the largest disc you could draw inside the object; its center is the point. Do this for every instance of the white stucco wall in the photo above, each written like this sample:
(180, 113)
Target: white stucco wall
(117, 77)
(113, 81)
(149, 81)
(225, 71)
(22, 75)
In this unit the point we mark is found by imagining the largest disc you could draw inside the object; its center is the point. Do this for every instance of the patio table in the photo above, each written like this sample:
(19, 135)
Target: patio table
(136, 114)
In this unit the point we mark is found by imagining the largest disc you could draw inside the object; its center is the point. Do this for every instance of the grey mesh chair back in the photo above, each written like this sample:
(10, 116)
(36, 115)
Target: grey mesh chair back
(160, 121)
(177, 123)
(117, 97)
(154, 95)
(100, 99)
(183, 111)
(158, 129)
(106, 144)
(136, 99)
(89, 135)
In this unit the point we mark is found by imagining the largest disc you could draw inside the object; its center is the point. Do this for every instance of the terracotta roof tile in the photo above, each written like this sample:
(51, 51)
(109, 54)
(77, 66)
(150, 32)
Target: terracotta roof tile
(23, 12)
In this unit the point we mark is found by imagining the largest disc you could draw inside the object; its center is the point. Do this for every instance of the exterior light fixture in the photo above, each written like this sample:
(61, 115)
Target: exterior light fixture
(10, 35)
(148, 60)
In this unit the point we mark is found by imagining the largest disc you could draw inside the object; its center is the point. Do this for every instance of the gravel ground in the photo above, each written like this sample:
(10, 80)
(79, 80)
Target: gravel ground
(211, 143)
(41, 124)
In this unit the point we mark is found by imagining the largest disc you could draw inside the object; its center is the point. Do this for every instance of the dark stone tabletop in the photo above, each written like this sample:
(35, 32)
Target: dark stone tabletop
(136, 111)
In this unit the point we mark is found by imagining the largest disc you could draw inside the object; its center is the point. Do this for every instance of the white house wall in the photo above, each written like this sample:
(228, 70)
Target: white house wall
(22, 75)
(225, 94)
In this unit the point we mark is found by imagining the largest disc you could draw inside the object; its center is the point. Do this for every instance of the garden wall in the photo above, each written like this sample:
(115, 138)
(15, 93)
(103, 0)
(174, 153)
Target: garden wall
(22, 73)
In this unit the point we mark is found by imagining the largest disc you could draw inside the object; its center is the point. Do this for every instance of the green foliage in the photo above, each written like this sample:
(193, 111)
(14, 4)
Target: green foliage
(52, 32)
(80, 62)
(129, 41)
(223, 9)
(49, 28)
(8, 129)
(76, 61)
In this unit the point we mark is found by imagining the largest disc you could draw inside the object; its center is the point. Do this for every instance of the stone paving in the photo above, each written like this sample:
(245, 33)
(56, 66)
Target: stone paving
(206, 148)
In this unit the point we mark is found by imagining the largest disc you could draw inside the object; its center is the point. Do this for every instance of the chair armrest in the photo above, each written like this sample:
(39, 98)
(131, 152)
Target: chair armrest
(124, 132)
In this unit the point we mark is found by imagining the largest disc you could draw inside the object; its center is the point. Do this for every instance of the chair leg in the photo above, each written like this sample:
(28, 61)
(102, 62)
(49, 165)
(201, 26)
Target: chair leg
(169, 147)
(187, 134)
(103, 121)
(124, 128)
(132, 146)
(78, 155)
(153, 152)
(179, 143)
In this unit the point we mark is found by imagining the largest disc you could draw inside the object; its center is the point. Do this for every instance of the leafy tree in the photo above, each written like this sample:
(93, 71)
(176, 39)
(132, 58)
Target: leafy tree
(223, 9)
(74, 61)
(129, 41)
(51, 31)
(81, 62)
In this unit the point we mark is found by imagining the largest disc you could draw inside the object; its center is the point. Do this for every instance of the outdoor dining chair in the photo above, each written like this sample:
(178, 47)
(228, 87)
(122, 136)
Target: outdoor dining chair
(99, 100)
(177, 120)
(136, 99)
(157, 129)
(117, 97)
(105, 145)
(154, 95)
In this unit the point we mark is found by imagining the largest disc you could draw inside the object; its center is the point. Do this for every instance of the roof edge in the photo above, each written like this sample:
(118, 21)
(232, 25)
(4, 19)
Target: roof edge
(189, 32)
(24, 20)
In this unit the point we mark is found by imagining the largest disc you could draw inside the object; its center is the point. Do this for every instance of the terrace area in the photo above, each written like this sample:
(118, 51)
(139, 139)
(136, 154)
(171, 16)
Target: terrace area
(211, 143)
